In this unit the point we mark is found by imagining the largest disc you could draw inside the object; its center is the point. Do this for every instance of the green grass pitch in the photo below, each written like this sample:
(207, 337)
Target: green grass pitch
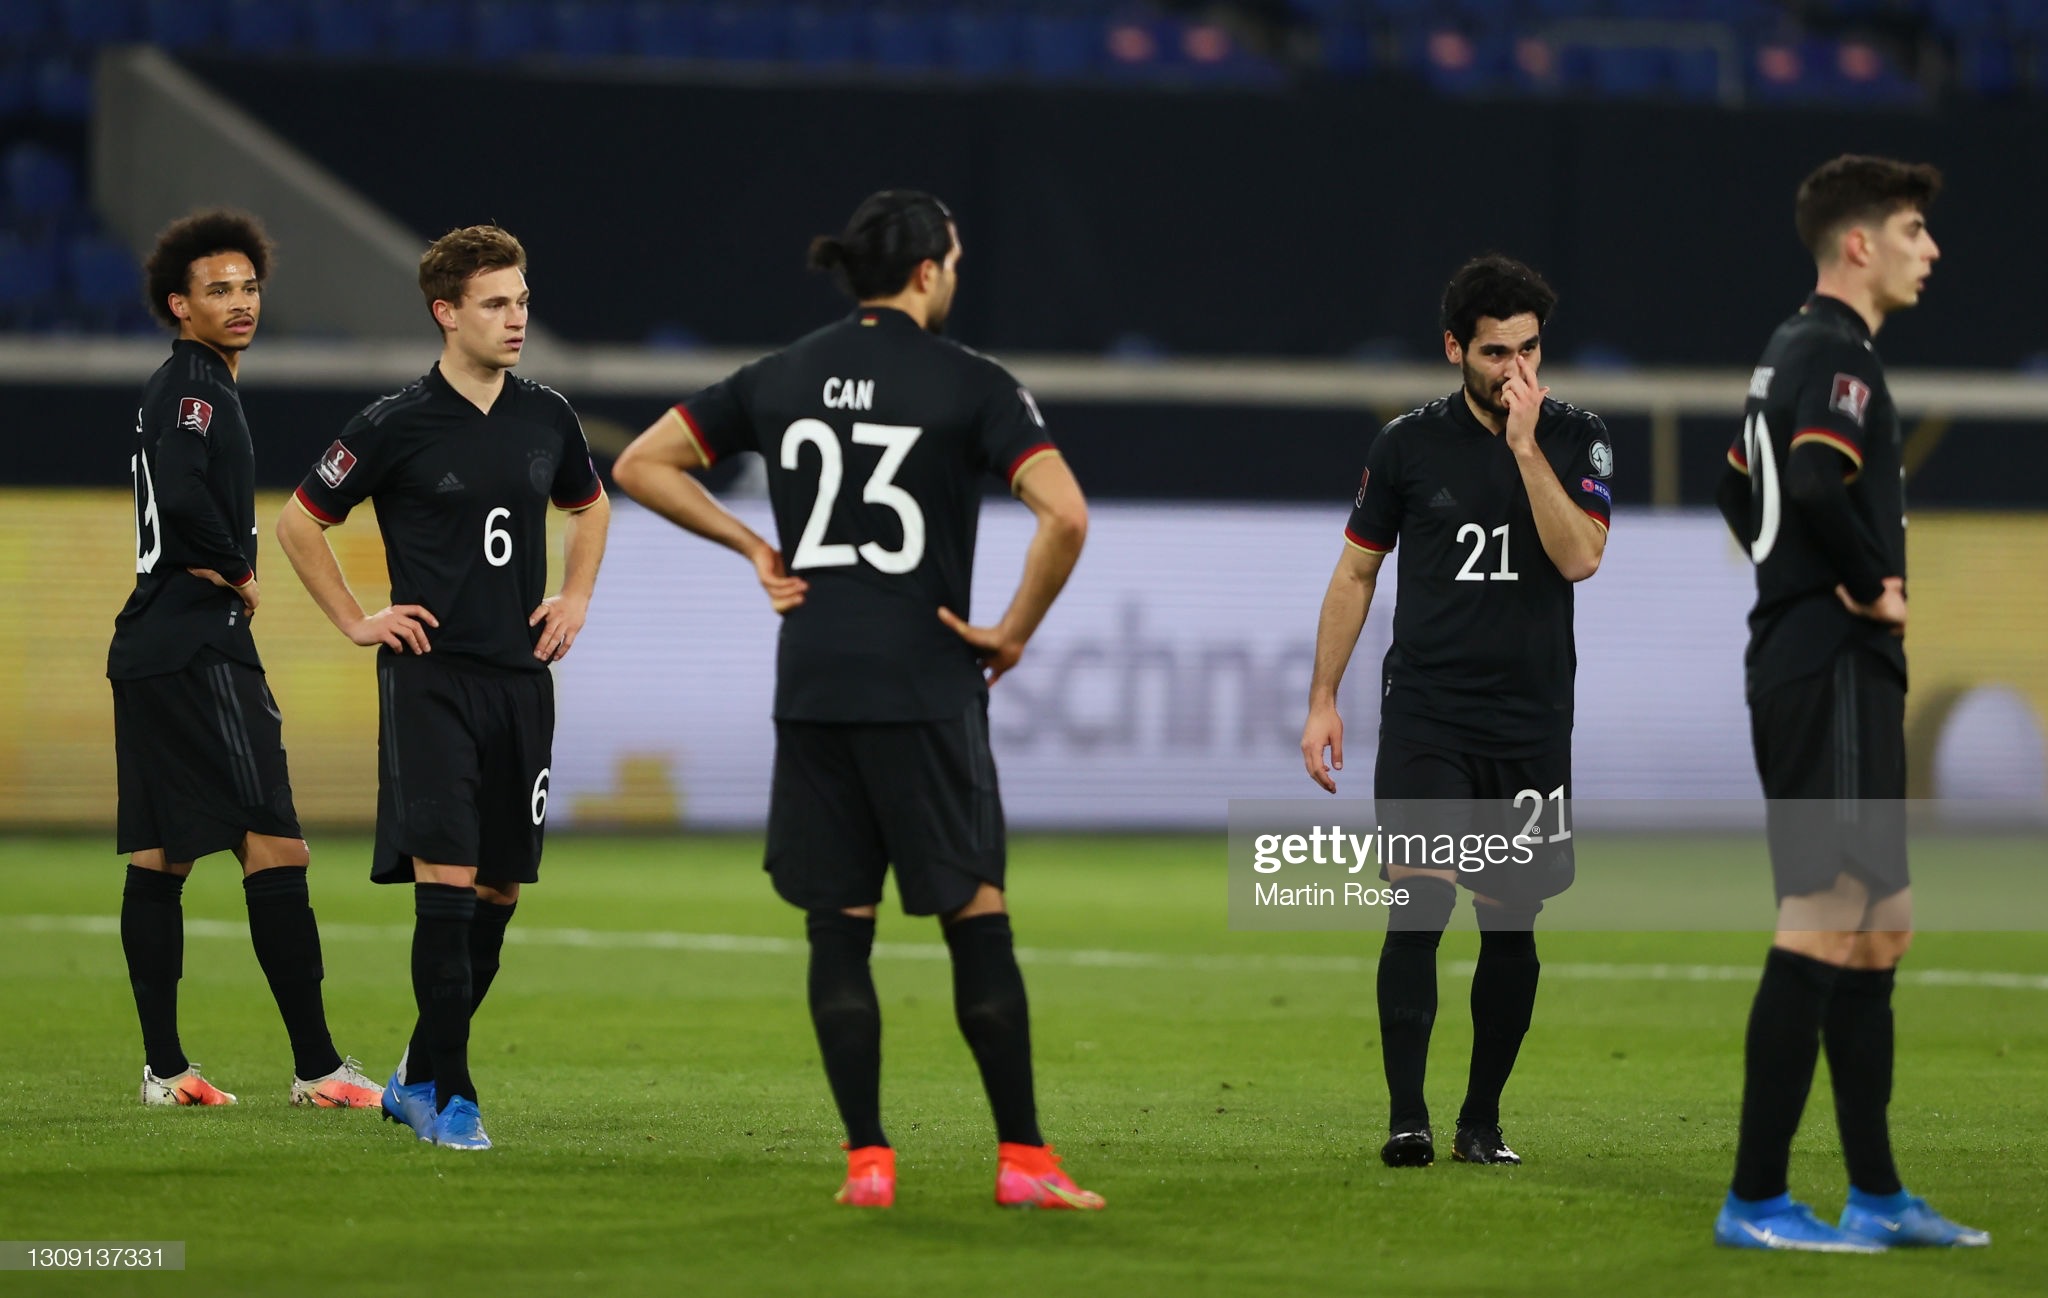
(648, 1072)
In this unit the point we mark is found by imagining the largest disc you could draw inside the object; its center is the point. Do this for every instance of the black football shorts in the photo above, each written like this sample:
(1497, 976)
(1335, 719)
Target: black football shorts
(1435, 791)
(463, 751)
(1831, 751)
(200, 762)
(851, 800)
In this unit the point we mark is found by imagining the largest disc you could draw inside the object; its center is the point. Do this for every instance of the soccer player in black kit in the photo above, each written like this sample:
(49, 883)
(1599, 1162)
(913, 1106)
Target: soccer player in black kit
(1498, 498)
(879, 436)
(1815, 492)
(198, 740)
(462, 466)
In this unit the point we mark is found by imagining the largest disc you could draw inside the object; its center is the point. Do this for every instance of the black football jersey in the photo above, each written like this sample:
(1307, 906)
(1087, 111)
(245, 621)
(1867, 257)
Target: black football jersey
(1820, 380)
(461, 500)
(1483, 659)
(878, 437)
(194, 472)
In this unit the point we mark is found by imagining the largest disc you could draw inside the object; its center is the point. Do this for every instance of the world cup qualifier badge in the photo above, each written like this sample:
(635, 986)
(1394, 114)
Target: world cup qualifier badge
(194, 415)
(1358, 501)
(1850, 396)
(335, 464)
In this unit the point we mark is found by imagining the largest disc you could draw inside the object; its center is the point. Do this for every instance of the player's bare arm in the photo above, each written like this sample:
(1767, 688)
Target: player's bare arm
(1048, 488)
(566, 612)
(1345, 604)
(1574, 539)
(658, 472)
(251, 594)
(303, 538)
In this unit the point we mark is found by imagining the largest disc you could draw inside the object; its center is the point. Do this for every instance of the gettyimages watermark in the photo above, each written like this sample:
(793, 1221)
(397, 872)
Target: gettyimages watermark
(1675, 865)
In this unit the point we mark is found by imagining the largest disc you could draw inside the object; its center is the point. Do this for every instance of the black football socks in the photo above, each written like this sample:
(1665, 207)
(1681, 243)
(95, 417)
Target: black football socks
(1779, 1054)
(153, 939)
(848, 1018)
(486, 941)
(1407, 995)
(287, 942)
(1503, 998)
(1856, 1031)
(994, 1016)
(442, 915)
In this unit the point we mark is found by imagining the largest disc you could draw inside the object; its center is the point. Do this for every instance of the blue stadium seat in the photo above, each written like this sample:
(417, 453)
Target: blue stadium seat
(426, 29)
(823, 37)
(1630, 71)
(1487, 14)
(92, 23)
(1560, 10)
(1538, 66)
(25, 23)
(63, 88)
(1350, 48)
(905, 42)
(1059, 47)
(1987, 64)
(1964, 15)
(1453, 62)
(1778, 71)
(41, 185)
(2027, 16)
(344, 29)
(658, 29)
(1139, 48)
(1696, 75)
(181, 24)
(745, 33)
(17, 88)
(28, 283)
(105, 277)
(262, 27)
(505, 29)
(983, 44)
(587, 29)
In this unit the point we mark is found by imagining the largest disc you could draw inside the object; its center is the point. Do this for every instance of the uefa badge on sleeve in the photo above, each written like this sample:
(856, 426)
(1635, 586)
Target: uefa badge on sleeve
(1601, 456)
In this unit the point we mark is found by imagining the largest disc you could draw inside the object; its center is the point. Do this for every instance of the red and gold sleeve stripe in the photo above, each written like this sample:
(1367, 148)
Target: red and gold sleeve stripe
(314, 511)
(1738, 460)
(596, 494)
(1828, 437)
(1597, 517)
(695, 434)
(1370, 547)
(1032, 455)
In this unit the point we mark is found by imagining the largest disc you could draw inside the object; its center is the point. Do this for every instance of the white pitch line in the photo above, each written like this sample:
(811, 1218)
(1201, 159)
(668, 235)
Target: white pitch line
(739, 944)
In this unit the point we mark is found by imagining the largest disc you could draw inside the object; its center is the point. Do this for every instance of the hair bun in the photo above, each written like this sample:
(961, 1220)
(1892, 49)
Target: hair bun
(827, 253)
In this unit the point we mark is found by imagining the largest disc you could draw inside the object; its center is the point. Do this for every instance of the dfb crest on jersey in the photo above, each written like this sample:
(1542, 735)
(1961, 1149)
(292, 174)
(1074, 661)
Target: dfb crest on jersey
(1602, 457)
(194, 415)
(1850, 396)
(540, 470)
(335, 464)
(1358, 501)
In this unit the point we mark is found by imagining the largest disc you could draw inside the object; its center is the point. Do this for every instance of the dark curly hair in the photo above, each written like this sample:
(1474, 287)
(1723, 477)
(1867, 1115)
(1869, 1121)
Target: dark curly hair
(202, 234)
(1495, 287)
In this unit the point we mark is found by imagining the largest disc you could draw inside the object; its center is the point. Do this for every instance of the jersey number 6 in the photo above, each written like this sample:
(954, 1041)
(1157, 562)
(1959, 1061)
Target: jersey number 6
(812, 550)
